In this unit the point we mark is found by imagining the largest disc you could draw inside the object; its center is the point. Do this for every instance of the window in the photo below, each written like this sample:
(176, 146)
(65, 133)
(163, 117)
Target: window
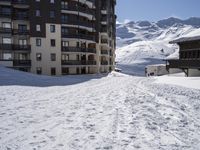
(23, 56)
(53, 42)
(37, 0)
(53, 57)
(22, 27)
(52, 1)
(38, 56)
(53, 71)
(7, 40)
(37, 13)
(65, 71)
(52, 14)
(77, 57)
(6, 25)
(38, 42)
(65, 57)
(38, 29)
(65, 43)
(64, 31)
(7, 56)
(39, 70)
(64, 5)
(52, 28)
(22, 42)
(64, 18)
(6, 10)
(198, 54)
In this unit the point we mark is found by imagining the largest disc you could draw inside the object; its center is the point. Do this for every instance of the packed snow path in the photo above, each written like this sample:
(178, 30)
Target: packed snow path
(118, 112)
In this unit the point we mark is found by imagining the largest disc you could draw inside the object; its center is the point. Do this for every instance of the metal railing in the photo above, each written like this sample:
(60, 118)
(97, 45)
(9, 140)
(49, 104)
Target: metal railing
(78, 49)
(25, 63)
(78, 36)
(78, 62)
(15, 47)
(183, 64)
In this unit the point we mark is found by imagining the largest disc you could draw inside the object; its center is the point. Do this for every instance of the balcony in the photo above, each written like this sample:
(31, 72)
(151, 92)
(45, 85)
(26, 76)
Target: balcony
(6, 30)
(183, 64)
(22, 63)
(21, 47)
(78, 36)
(6, 46)
(78, 49)
(5, 14)
(104, 63)
(79, 9)
(20, 2)
(20, 16)
(15, 47)
(79, 62)
(78, 23)
(104, 41)
(104, 52)
(21, 32)
(6, 1)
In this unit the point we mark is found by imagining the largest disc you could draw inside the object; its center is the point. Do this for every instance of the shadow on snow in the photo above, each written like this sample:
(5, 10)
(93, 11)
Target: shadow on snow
(10, 77)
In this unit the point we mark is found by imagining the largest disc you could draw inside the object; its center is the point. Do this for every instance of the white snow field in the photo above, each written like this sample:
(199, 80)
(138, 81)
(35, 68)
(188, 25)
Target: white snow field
(97, 112)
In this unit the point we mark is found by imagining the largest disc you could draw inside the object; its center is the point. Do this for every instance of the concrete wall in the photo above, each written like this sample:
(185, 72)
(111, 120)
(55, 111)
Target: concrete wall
(174, 70)
(156, 70)
(46, 64)
(194, 73)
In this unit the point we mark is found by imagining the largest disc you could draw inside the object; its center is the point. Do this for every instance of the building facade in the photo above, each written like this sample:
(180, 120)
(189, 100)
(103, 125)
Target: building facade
(58, 37)
(189, 56)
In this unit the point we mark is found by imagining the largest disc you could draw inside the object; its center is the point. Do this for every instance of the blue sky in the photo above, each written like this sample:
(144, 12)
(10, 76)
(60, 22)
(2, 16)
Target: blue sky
(154, 10)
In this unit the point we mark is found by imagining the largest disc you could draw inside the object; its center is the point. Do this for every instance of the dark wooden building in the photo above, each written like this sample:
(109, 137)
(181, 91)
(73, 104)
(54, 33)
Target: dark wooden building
(189, 56)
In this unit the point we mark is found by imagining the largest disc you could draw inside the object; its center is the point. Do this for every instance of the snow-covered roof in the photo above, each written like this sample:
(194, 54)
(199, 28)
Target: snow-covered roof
(185, 39)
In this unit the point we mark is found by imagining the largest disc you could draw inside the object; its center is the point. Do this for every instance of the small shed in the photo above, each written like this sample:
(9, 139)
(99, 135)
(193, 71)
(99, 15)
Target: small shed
(156, 70)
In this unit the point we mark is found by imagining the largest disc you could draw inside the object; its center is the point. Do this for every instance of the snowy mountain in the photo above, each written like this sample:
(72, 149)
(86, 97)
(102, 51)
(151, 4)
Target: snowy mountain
(143, 42)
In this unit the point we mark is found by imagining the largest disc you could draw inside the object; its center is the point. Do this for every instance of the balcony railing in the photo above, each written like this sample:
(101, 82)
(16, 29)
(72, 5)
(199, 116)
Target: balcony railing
(78, 23)
(20, 17)
(104, 30)
(79, 9)
(21, 2)
(79, 36)
(5, 30)
(15, 47)
(77, 62)
(103, 41)
(22, 47)
(6, 46)
(104, 52)
(22, 63)
(78, 49)
(195, 63)
(104, 63)
(21, 32)
(6, 0)
(5, 14)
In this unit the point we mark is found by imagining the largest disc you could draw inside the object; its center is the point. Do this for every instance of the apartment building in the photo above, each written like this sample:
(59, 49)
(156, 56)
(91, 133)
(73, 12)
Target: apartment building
(58, 37)
(189, 56)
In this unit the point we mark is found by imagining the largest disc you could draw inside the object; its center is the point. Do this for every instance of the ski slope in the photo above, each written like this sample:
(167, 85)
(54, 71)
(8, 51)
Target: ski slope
(97, 112)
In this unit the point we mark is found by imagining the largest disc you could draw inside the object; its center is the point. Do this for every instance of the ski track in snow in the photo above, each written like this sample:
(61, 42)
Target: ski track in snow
(118, 112)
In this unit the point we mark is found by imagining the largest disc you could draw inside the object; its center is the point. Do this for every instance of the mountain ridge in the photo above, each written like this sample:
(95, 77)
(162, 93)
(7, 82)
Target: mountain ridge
(144, 43)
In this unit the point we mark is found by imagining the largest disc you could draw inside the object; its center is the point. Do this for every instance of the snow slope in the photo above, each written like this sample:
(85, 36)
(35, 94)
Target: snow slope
(143, 43)
(114, 112)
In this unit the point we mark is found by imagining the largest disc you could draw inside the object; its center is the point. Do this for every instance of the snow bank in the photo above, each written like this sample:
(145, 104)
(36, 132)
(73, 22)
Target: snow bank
(188, 82)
